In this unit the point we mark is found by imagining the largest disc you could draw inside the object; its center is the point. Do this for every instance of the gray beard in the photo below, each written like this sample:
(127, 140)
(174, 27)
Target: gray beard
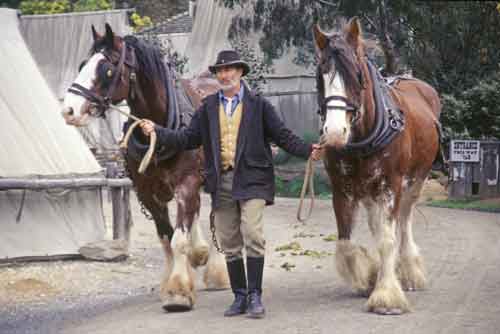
(229, 86)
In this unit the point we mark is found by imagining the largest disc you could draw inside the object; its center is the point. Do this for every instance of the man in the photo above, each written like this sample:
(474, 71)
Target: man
(235, 128)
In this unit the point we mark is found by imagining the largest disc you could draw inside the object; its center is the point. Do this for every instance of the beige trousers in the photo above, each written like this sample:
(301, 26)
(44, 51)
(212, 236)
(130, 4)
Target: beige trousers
(238, 224)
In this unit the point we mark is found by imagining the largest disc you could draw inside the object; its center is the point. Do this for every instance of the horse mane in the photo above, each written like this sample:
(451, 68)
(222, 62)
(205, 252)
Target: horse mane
(345, 60)
(346, 65)
(149, 58)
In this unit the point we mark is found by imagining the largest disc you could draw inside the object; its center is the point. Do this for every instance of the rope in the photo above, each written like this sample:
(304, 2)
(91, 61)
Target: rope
(308, 184)
(152, 142)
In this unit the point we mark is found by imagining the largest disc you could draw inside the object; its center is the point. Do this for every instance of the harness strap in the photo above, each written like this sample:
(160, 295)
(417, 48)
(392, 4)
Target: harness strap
(116, 77)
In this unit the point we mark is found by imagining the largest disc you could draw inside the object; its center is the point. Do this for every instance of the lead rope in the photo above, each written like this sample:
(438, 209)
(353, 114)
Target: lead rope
(308, 184)
(152, 142)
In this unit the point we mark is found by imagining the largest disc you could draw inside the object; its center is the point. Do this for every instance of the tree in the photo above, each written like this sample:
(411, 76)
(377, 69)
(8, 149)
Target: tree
(29, 7)
(451, 45)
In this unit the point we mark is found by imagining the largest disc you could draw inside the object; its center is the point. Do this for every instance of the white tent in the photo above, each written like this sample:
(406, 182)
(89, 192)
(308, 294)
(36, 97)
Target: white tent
(36, 143)
(59, 43)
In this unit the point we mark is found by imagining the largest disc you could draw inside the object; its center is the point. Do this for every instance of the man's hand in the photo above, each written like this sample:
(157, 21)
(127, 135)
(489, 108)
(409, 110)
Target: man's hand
(317, 152)
(147, 127)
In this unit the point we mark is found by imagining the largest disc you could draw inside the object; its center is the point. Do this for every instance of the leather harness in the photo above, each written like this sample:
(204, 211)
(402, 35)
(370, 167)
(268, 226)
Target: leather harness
(389, 120)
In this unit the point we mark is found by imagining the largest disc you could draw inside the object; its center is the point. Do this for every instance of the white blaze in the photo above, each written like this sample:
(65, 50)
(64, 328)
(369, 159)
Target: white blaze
(336, 126)
(85, 78)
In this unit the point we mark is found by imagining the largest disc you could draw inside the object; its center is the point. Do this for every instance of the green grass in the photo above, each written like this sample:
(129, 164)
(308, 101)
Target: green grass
(285, 158)
(465, 205)
(293, 187)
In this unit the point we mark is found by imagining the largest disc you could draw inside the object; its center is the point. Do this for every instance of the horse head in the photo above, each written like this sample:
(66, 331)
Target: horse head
(104, 78)
(341, 80)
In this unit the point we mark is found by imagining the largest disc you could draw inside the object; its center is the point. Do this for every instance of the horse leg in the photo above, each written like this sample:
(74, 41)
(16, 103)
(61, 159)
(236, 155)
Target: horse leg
(159, 211)
(198, 254)
(354, 264)
(178, 292)
(410, 268)
(216, 276)
(387, 297)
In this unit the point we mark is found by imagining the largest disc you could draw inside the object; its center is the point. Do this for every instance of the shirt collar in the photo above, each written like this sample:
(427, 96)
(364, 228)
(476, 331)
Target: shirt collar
(239, 96)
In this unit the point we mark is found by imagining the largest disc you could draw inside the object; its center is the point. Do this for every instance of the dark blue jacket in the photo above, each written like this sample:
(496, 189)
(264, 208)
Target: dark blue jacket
(253, 168)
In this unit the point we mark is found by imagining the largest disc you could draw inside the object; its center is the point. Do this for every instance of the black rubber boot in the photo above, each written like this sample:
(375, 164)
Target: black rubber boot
(255, 270)
(236, 271)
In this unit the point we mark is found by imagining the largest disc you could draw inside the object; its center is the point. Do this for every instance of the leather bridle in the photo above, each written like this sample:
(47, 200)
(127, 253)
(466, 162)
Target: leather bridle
(323, 102)
(102, 103)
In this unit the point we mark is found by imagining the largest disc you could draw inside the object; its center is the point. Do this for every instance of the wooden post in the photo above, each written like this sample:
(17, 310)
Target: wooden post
(118, 214)
(128, 214)
(461, 186)
(489, 170)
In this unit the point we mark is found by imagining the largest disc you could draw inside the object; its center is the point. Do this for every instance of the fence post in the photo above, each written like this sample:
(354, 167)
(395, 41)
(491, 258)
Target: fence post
(120, 200)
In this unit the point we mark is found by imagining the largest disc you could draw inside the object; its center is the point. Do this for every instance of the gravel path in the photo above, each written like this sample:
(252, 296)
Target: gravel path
(461, 249)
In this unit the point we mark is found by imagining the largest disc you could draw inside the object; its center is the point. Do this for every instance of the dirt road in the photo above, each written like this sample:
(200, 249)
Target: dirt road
(461, 249)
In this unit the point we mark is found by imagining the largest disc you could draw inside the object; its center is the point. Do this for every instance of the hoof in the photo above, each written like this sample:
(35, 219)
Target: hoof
(177, 304)
(216, 279)
(388, 311)
(411, 273)
(198, 257)
(388, 301)
(215, 287)
(215, 276)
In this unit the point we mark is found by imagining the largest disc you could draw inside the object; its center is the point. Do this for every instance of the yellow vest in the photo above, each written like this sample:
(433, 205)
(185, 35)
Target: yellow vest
(229, 127)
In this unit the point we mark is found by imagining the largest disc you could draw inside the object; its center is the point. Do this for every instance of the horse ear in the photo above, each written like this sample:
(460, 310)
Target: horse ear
(320, 38)
(354, 31)
(109, 37)
(95, 35)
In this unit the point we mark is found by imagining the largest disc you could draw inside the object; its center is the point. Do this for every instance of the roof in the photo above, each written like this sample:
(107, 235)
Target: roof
(180, 23)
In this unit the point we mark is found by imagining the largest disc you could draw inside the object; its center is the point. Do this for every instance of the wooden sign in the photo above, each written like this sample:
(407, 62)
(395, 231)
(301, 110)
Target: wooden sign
(464, 150)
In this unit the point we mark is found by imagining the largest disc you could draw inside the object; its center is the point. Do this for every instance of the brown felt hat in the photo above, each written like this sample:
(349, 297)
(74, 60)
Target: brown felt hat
(229, 58)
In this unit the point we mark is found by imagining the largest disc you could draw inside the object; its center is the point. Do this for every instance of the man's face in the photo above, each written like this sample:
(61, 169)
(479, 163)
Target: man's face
(229, 76)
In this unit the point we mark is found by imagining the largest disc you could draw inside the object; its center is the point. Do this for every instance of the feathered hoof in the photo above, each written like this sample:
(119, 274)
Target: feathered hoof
(198, 256)
(177, 294)
(177, 303)
(385, 301)
(216, 277)
(411, 273)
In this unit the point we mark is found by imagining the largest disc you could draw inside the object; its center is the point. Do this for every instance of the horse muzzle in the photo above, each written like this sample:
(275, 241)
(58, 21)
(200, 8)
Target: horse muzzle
(334, 139)
(69, 117)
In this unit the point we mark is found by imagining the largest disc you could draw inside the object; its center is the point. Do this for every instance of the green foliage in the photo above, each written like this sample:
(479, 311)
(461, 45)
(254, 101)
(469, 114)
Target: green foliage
(293, 187)
(34, 7)
(451, 45)
(475, 112)
(139, 23)
(91, 5)
(167, 51)
(258, 66)
(468, 204)
(10, 3)
(284, 157)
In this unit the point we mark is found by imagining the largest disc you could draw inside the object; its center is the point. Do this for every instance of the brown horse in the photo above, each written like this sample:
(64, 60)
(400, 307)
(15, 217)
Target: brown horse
(128, 69)
(380, 143)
